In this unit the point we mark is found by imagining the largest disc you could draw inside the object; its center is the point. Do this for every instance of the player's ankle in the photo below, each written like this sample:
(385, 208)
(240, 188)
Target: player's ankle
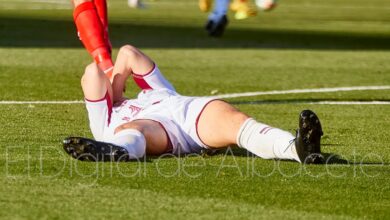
(101, 54)
(103, 60)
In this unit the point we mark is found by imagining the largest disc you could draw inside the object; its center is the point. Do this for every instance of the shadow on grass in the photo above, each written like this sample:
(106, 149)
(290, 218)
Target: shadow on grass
(337, 159)
(334, 159)
(330, 158)
(39, 32)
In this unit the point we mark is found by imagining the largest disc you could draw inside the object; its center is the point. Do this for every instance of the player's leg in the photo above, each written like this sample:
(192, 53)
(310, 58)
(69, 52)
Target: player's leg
(101, 8)
(132, 62)
(97, 92)
(95, 83)
(220, 9)
(220, 124)
(217, 20)
(92, 33)
(156, 140)
(135, 4)
(130, 141)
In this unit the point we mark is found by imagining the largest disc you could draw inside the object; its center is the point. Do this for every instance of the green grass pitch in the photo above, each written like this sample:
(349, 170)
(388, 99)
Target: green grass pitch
(302, 44)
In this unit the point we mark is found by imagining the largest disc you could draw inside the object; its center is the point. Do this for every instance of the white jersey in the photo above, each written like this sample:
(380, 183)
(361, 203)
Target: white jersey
(177, 114)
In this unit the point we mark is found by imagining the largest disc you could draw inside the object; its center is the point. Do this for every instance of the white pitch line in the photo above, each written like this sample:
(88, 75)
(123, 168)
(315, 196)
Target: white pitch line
(40, 102)
(35, 4)
(350, 102)
(37, 1)
(247, 94)
(297, 91)
(317, 102)
(298, 5)
(265, 103)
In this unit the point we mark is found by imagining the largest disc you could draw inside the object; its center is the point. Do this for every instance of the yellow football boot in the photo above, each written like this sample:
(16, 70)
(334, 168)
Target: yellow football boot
(205, 5)
(243, 9)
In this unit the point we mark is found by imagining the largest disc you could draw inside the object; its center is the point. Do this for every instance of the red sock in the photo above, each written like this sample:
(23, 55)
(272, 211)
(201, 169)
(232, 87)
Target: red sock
(92, 35)
(101, 8)
(103, 59)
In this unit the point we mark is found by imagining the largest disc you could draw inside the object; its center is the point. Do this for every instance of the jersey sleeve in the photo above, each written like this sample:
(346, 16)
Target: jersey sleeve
(152, 80)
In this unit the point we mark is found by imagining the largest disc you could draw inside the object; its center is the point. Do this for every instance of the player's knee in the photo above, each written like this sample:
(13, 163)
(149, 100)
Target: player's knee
(128, 48)
(130, 52)
(132, 140)
(91, 70)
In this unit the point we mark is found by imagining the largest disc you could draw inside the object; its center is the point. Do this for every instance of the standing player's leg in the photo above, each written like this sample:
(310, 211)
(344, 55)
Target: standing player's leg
(101, 8)
(132, 62)
(92, 31)
(220, 124)
(135, 4)
(217, 20)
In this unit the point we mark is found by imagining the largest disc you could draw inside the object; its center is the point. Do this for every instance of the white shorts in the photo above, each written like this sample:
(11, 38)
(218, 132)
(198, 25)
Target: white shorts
(178, 115)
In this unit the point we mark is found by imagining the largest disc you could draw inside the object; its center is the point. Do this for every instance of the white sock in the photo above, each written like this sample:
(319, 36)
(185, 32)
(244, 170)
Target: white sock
(132, 140)
(266, 142)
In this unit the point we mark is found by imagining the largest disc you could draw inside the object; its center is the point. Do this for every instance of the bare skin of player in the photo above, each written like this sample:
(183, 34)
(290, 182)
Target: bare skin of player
(218, 124)
(78, 2)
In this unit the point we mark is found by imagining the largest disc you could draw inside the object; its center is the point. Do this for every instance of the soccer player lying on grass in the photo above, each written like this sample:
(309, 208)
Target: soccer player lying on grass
(161, 121)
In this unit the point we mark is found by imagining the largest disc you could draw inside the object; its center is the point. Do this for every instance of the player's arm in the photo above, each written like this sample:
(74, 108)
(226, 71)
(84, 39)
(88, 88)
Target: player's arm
(132, 62)
(129, 61)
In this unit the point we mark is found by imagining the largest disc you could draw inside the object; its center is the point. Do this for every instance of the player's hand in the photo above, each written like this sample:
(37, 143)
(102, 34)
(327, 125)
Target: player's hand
(119, 101)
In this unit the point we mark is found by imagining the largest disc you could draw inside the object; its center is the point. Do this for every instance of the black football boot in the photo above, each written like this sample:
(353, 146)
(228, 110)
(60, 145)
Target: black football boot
(308, 138)
(90, 150)
(216, 28)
